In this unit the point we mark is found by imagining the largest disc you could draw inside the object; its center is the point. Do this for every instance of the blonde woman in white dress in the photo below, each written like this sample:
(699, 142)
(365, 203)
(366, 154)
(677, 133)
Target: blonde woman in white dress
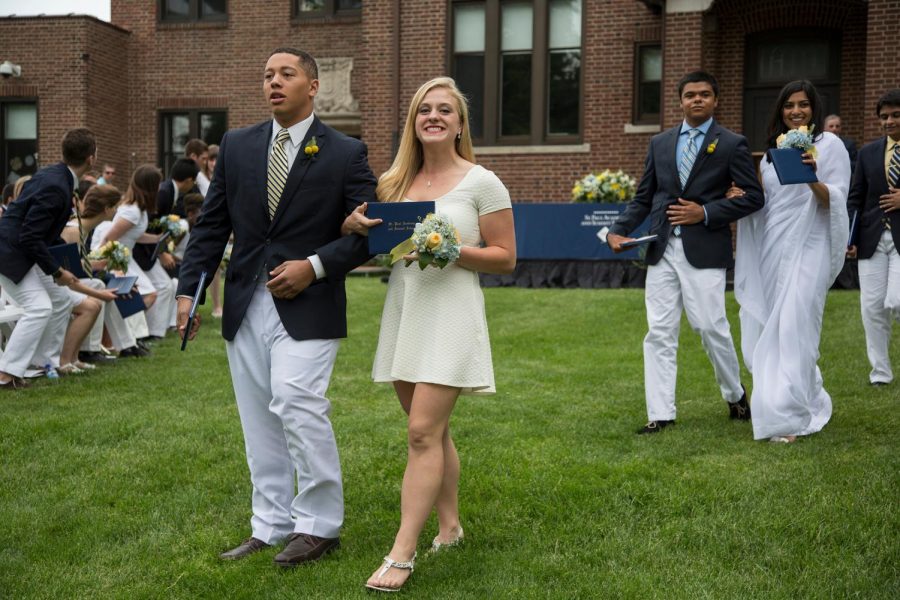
(434, 343)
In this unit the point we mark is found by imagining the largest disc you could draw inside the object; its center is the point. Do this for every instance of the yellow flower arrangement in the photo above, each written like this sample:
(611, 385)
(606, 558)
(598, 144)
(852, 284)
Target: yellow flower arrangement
(712, 147)
(606, 186)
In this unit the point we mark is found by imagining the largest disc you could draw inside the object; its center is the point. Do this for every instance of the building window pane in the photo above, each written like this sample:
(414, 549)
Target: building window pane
(468, 28)
(213, 127)
(179, 127)
(469, 76)
(213, 9)
(311, 5)
(178, 9)
(564, 97)
(648, 82)
(519, 63)
(565, 24)
(515, 111)
(21, 122)
(18, 140)
(468, 60)
(517, 26)
(349, 4)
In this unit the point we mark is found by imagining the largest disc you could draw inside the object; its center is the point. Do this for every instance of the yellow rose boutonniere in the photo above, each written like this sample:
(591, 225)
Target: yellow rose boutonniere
(712, 147)
(312, 148)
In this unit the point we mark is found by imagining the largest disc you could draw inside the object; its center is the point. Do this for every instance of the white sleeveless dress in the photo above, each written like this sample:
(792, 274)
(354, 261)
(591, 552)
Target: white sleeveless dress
(433, 327)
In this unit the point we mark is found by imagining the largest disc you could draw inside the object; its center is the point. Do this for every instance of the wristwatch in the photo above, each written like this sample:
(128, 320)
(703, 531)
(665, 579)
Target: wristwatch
(57, 273)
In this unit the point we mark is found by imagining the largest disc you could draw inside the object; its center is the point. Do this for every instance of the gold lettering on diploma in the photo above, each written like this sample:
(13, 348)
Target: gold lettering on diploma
(401, 225)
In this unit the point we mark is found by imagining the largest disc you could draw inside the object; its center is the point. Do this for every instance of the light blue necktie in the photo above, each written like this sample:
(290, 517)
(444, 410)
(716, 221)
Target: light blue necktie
(688, 156)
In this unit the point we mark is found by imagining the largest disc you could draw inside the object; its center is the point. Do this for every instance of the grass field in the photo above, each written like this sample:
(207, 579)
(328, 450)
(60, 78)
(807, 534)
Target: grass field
(127, 482)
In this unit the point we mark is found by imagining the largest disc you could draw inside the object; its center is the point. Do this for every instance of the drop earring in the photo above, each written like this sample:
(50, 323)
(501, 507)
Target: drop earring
(459, 135)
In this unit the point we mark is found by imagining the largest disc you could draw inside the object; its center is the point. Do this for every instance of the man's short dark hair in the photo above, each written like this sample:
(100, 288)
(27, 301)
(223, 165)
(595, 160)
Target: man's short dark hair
(77, 146)
(195, 146)
(699, 77)
(307, 62)
(184, 168)
(891, 98)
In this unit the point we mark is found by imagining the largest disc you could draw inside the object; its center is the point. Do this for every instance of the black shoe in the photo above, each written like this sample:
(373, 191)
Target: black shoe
(145, 346)
(739, 410)
(655, 426)
(133, 352)
(95, 357)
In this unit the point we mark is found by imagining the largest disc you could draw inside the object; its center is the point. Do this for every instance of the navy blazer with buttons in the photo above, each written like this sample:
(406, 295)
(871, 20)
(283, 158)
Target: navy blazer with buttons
(723, 157)
(868, 185)
(34, 221)
(319, 193)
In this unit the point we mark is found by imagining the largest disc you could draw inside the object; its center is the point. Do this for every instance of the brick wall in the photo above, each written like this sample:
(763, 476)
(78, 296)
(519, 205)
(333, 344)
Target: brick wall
(65, 70)
(882, 60)
(132, 70)
(216, 65)
(725, 42)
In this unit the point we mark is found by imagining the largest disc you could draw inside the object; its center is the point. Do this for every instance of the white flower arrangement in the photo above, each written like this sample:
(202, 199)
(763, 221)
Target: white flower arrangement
(436, 240)
(800, 138)
(114, 253)
(606, 186)
(176, 227)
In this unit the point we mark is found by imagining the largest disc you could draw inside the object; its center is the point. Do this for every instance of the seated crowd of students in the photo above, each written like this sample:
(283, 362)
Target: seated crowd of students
(152, 220)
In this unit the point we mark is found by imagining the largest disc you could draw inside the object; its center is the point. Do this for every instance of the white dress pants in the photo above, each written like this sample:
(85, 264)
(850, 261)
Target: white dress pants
(161, 314)
(280, 384)
(879, 300)
(41, 330)
(672, 285)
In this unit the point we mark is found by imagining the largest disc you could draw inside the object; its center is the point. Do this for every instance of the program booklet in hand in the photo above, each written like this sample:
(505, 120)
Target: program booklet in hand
(790, 168)
(193, 313)
(129, 302)
(641, 240)
(69, 259)
(399, 220)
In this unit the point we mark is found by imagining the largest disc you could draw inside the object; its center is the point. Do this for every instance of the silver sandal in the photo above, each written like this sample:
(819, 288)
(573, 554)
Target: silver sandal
(437, 546)
(391, 563)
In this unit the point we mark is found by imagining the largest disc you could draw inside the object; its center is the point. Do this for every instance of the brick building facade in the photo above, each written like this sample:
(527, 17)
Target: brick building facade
(155, 75)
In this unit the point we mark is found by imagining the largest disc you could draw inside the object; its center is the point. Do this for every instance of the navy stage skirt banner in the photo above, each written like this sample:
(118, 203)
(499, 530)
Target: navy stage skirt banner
(568, 231)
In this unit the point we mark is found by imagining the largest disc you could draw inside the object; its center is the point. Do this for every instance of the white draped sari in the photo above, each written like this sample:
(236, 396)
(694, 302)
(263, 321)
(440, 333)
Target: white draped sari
(788, 255)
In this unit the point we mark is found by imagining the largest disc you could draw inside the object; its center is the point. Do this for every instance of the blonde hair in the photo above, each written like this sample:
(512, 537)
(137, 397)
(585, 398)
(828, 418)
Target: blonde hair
(18, 185)
(396, 180)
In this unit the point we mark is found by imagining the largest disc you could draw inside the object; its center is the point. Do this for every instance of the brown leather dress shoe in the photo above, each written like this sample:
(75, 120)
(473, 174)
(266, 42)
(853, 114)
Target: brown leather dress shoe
(246, 548)
(303, 547)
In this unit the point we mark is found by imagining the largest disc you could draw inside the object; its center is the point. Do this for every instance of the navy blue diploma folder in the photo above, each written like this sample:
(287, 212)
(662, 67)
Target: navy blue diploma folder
(789, 167)
(69, 259)
(399, 220)
(128, 302)
(201, 285)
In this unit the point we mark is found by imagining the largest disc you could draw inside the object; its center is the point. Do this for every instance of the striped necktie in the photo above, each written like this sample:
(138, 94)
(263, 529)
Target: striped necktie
(893, 177)
(278, 171)
(688, 156)
(82, 249)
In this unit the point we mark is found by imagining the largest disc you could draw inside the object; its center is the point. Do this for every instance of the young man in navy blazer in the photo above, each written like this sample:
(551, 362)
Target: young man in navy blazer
(874, 199)
(28, 272)
(284, 187)
(688, 170)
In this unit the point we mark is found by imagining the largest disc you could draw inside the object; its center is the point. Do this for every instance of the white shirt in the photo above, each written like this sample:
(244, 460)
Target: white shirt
(297, 132)
(202, 182)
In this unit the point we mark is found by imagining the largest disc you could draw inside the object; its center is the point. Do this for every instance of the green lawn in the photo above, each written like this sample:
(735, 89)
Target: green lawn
(127, 482)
